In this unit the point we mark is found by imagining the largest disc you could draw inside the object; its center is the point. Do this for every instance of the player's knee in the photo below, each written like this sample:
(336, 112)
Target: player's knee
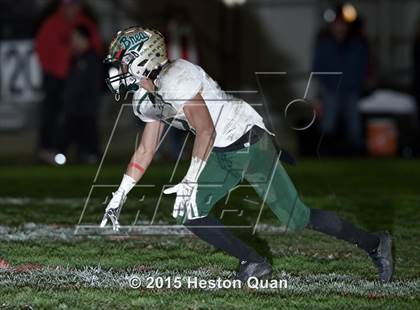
(202, 221)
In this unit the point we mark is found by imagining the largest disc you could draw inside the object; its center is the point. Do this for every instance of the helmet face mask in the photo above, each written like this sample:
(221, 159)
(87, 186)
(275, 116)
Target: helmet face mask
(120, 81)
(134, 53)
(121, 84)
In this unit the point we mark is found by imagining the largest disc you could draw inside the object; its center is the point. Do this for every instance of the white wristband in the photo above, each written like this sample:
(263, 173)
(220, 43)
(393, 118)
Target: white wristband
(196, 167)
(126, 185)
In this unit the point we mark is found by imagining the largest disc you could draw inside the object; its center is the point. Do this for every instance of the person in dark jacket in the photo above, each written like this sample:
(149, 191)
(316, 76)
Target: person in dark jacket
(53, 47)
(80, 98)
(339, 51)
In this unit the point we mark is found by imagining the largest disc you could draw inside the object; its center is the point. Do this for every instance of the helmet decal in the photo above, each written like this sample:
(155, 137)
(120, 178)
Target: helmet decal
(133, 41)
(134, 52)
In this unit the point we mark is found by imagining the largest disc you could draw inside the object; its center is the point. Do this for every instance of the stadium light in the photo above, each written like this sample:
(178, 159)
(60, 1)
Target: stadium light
(232, 3)
(329, 15)
(349, 13)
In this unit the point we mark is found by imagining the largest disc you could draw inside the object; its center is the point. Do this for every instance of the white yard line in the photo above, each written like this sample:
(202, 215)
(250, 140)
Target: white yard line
(22, 201)
(32, 231)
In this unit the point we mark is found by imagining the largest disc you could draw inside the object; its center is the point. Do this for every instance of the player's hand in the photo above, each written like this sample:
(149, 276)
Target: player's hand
(113, 209)
(185, 202)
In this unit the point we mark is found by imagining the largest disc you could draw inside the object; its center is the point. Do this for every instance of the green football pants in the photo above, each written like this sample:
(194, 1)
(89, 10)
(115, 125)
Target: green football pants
(259, 164)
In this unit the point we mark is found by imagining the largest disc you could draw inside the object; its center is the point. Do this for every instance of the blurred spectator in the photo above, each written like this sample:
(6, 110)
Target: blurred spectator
(53, 46)
(416, 82)
(180, 35)
(416, 61)
(80, 98)
(340, 50)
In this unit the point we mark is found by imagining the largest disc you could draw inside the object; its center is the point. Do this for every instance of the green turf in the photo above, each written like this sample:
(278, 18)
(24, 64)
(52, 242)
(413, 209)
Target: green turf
(375, 194)
(131, 299)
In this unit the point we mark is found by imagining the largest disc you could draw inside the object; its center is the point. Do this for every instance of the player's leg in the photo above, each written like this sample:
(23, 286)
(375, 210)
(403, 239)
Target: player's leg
(271, 182)
(275, 187)
(377, 245)
(215, 233)
(222, 173)
(330, 223)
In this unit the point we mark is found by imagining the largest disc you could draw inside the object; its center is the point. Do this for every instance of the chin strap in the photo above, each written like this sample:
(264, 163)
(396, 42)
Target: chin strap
(123, 91)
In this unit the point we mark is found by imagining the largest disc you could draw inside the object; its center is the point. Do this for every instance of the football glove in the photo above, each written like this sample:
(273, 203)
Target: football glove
(185, 201)
(113, 209)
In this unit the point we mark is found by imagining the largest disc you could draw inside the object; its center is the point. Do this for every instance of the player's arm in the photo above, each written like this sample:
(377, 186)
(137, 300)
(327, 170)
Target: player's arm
(199, 118)
(140, 161)
(146, 150)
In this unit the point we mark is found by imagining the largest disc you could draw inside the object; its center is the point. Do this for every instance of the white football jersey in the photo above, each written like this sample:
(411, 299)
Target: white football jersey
(178, 82)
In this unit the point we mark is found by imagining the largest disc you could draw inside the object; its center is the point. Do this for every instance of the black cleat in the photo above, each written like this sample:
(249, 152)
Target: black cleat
(261, 270)
(382, 257)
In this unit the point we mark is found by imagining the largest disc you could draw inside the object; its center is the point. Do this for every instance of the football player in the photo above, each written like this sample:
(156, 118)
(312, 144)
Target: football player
(231, 143)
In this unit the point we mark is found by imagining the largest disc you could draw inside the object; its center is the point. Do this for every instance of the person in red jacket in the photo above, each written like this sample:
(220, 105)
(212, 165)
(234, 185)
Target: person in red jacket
(53, 47)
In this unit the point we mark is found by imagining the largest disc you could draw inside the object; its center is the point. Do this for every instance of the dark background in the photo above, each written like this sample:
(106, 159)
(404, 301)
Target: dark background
(233, 42)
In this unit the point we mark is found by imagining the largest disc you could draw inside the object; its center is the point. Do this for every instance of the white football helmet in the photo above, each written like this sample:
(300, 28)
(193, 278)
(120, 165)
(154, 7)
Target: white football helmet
(133, 53)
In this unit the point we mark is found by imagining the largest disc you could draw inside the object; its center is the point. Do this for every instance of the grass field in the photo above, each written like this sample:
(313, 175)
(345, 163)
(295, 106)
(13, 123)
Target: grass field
(44, 265)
